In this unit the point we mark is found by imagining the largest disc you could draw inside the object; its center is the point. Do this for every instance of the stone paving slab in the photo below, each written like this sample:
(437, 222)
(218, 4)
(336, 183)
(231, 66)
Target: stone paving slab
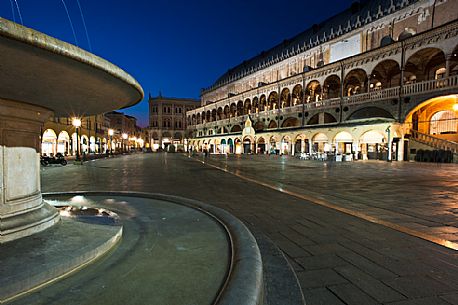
(382, 255)
(416, 198)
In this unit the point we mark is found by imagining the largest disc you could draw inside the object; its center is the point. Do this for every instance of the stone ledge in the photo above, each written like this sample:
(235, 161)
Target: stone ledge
(244, 284)
(35, 261)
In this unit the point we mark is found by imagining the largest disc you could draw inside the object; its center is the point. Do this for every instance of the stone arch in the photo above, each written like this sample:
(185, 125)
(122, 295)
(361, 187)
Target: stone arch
(238, 146)
(226, 111)
(297, 94)
(320, 143)
(263, 103)
(236, 128)
(421, 117)
(261, 145)
(443, 122)
(321, 118)
(272, 124)
(213, 115)
(331, 87)
(408, 32)
(343, 142)
(219, 113)
(285, 98)
(49, 142)
(272, 101)
(247, 106)
(248, 144)
(386, 74)
(285, 145)
(343, 136)
(372, 145)
(259, 126)
(313, 91)
(255, 104)
(424, 65)
(355, 82)
(291, 122)
(370, 112)
(63, 143)
(239, 108)
(233, 110)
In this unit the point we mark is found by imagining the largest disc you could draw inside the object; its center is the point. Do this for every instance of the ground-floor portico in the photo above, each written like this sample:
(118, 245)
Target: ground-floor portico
(367, 140)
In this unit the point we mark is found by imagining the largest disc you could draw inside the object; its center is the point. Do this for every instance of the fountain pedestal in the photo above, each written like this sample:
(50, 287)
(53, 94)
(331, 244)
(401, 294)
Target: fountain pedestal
(41, 75)
(22, 210)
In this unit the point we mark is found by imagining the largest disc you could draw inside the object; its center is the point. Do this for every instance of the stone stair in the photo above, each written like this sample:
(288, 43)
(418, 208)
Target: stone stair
(429, 142)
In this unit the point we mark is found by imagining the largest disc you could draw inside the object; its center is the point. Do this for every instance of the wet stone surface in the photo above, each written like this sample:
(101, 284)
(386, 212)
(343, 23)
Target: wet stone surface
(168, 254)
(338, 258)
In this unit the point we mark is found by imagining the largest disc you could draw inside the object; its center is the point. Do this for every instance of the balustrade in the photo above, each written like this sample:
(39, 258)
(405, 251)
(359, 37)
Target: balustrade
(434, 142)
(430, 85)
(372, 96)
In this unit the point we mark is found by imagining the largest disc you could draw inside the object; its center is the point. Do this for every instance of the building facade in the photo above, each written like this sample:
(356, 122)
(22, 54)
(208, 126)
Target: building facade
(168, 125)
(60, 136)
(126, 134)
(377, 81)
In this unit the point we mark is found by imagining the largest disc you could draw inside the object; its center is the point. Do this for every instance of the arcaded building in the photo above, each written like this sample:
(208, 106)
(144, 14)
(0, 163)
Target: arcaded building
(167, 120)
(377, 81)
(59, 135)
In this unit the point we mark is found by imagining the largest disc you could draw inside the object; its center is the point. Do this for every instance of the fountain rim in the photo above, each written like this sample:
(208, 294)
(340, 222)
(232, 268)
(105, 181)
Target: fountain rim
(34, 38)
(244, 282)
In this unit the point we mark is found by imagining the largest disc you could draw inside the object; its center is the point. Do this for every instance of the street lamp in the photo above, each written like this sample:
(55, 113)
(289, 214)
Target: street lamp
(111, 133)
(77, 123)
(124, 137)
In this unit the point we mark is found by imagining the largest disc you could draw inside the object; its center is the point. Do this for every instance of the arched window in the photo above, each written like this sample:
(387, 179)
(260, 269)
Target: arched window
(443, 122)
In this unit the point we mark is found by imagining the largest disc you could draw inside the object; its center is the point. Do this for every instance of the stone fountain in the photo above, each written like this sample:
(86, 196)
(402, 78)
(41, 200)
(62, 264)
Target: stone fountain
(39, 76)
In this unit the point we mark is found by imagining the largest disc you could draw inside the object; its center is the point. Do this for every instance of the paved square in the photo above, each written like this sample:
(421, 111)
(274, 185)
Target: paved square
(339, 258)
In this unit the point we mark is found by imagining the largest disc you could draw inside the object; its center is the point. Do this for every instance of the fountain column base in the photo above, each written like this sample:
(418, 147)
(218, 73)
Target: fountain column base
(22, 210)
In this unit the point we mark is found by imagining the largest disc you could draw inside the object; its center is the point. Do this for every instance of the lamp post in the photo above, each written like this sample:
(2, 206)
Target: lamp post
(110, 133)
(77, 123)
(124, 137)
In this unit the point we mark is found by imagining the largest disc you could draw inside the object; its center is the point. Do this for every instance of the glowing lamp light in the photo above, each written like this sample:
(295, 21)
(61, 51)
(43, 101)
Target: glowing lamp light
(110, 132)
(76, 122)
(125, 136)
(455, 107)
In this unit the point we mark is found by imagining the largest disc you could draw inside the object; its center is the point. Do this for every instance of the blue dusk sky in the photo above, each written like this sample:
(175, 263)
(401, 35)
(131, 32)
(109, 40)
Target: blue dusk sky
(175, 47)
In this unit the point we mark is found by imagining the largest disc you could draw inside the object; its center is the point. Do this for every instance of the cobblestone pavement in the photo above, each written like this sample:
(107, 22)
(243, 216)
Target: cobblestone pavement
(339, 258)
